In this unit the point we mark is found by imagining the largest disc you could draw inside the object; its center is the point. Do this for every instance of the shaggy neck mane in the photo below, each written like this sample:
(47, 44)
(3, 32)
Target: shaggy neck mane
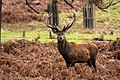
(64, 48)
(62, 45)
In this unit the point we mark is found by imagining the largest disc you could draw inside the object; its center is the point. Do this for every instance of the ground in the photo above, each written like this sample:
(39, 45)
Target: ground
(25, 60)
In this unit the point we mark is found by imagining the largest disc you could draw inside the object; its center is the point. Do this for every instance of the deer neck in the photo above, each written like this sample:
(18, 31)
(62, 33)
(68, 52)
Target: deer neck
(62, 44)
(64, 48)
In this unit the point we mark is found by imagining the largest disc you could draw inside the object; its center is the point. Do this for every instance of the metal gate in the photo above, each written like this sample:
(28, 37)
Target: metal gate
(89, 19)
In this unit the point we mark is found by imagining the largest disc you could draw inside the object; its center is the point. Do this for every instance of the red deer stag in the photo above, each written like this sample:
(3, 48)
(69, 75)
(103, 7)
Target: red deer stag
(74, 53)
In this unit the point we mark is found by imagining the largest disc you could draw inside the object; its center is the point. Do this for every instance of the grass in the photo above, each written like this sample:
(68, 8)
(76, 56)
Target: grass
(44, 36)
(109, 19)
(105, 23)
(112, 17)
(20, 27)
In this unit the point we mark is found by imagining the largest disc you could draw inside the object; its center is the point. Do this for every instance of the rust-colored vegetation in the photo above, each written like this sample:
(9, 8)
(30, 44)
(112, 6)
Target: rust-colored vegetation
(22, 59)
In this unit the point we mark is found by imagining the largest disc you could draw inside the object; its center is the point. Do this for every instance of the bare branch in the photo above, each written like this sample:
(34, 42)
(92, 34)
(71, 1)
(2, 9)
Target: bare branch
(103, 8)
(70, 4)
(31, 7)
(116, 2)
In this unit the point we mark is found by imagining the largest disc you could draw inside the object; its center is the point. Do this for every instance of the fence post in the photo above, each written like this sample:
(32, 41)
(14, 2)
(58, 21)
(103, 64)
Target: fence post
(50, 35)
(24, 33)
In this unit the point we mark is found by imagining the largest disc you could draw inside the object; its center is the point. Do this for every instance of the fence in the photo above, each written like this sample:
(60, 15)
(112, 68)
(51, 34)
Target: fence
(89, 19)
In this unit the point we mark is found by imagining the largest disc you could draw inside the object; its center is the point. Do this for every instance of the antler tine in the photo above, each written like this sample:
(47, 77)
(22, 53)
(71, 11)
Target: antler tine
(46, 22)
(74, 16)
(54, 28)
(70, 25)
(50, 26)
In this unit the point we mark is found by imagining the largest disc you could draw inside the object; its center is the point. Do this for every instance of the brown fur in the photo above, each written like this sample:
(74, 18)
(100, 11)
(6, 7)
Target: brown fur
(78, 53)
(73, 53)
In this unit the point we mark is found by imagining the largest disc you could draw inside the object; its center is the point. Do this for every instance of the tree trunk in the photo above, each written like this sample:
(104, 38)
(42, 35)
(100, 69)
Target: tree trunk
(0, 18)
(55, 12)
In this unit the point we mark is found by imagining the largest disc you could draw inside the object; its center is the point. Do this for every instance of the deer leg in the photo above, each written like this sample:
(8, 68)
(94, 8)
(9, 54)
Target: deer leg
(89, 63)
(72, 63)
(94, 64)
(68, 65)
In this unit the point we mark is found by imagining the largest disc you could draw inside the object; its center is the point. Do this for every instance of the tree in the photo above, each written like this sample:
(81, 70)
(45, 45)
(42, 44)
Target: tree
(0, 18)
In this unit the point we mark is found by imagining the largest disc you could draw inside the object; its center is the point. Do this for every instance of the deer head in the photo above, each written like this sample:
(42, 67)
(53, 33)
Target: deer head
(61, 33)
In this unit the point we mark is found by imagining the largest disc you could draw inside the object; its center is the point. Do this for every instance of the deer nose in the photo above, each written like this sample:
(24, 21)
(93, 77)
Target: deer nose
(60, 38)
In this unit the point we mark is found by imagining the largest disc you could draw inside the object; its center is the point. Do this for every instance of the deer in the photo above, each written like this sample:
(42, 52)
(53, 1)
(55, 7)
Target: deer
(72, 52)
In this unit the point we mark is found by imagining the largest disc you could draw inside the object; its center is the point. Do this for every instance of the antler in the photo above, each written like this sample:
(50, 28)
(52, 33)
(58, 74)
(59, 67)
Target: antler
(54, 28)
(31, 7)
(70, 25)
